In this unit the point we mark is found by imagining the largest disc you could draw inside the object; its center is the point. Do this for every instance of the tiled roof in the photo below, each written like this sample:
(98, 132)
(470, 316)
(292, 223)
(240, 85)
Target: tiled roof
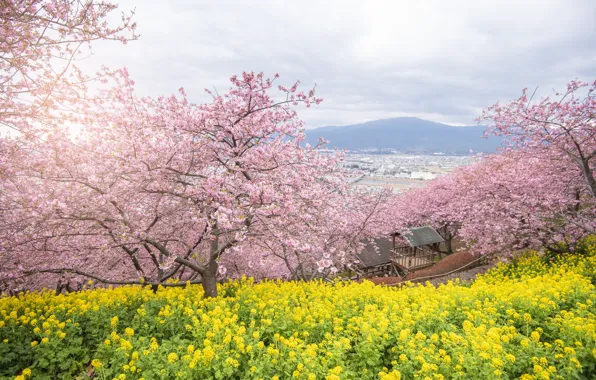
(419, 236)
(369, 257)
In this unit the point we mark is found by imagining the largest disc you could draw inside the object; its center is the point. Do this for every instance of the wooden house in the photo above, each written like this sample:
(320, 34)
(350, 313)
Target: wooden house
(400, 254)
(375, 259)
(415, 253)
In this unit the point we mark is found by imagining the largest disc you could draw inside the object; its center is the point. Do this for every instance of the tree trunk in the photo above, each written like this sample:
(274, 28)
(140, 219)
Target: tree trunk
(209, 280)
(449, 244)
(588, 176)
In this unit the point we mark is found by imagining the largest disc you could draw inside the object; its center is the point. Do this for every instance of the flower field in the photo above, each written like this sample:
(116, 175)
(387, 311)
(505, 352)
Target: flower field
(531, 320)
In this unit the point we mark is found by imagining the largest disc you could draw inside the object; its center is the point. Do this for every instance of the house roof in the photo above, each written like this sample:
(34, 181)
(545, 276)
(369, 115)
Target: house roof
(369, 257)
(419, 236)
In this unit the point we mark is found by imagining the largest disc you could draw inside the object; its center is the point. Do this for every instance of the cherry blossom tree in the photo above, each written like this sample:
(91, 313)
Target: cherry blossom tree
(516, 201)
(503, 203)
(564, 126)
(539, 191)
(151, 190)
(40, 42)
(335, 232)
(433, 206)
(41, 87)
(159, 189)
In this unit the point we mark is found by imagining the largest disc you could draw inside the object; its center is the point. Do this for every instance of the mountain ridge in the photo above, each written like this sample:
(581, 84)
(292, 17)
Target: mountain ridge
(406, 134)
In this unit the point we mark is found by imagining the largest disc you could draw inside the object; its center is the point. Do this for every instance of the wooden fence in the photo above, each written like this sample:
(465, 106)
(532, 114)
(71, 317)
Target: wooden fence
(410, 262)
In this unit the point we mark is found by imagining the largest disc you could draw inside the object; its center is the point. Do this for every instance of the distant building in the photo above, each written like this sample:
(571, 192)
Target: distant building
(423, 175)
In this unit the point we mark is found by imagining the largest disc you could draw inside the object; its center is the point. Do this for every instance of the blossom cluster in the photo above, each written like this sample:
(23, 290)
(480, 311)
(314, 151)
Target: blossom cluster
(532, 319)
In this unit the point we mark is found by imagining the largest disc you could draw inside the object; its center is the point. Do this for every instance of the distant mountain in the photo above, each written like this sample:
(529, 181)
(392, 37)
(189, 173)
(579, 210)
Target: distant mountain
(406, 134)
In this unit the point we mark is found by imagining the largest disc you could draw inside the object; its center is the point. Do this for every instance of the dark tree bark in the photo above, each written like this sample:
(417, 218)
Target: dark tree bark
(209, 275)
(209, 280)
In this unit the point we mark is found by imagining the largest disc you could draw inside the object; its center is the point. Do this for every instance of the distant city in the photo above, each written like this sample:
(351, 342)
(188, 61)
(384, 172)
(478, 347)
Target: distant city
(400, 172)
(404, 152)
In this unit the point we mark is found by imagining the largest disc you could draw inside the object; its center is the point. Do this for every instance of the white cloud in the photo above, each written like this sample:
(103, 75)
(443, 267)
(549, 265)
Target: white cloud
(443, 60)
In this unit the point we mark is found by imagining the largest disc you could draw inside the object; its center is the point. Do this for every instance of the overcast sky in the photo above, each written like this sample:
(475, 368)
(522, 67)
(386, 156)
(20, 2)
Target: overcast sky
(439, 60)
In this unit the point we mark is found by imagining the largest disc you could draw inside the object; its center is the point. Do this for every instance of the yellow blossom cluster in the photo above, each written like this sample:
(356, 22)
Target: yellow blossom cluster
(532, 319)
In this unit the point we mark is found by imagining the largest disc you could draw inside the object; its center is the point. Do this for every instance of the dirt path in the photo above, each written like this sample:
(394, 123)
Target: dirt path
(465, 275)
(446, 265)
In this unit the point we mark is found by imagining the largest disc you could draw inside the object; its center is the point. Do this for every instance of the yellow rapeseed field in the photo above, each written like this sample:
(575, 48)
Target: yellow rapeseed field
(532, 319)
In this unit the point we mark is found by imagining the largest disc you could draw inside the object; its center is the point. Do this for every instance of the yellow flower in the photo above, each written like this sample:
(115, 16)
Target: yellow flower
(96, 363)
(494, 317)
(172, 357)
(44, 340)
(125, 345)
(336, 371)
(535, 335)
